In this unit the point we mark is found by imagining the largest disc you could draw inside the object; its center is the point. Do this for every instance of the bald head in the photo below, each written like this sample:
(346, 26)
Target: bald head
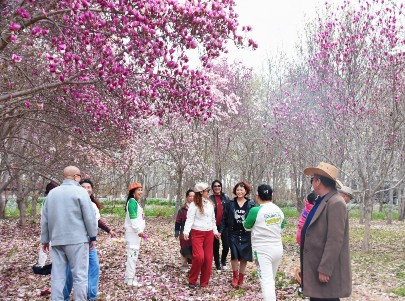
(71, 172)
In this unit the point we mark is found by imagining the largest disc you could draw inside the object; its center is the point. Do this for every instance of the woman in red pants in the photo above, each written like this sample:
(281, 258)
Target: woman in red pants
(201, 222)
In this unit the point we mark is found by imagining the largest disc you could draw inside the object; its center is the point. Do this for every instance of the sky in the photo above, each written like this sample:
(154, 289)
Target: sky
(276, 26)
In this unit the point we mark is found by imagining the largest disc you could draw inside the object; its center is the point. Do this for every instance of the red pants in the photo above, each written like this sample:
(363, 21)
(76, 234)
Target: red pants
(202, 245)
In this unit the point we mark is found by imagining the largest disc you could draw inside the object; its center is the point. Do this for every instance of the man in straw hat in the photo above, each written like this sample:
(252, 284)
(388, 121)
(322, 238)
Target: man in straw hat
(325, 256)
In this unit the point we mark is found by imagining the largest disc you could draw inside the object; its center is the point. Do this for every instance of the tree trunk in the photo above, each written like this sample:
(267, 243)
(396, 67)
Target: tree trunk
(368, 213)
(22, 206)
(381, 203)
(401, 204)
(361, 221)
(3, 204)
(34, 203)
(179, 191)
(3, 201)
(21, 202)
(390, 205)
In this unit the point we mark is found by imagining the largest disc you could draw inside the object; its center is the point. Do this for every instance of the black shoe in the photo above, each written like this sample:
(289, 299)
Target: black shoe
(192, 286)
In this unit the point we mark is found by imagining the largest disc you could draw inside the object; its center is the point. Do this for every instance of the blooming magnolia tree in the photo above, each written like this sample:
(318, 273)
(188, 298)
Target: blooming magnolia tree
(113, 61)
(352, 98)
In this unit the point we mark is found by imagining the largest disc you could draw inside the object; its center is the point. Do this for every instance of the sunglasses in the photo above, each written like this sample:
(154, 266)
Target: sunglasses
(216, 186)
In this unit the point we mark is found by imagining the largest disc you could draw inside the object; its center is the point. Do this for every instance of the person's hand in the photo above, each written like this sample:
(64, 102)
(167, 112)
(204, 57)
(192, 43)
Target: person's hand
(92, 244)
(185, 237)
(176, 234)
(323, 278)
(113, 234)
(45, 247)
(297, 274)
(217, 236)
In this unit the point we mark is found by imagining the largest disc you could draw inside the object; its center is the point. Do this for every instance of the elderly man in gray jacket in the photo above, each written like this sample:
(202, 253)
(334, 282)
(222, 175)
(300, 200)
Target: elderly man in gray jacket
(69, 222)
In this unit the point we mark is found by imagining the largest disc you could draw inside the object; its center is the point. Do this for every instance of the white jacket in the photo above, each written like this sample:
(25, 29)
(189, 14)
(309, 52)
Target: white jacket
(200, 221)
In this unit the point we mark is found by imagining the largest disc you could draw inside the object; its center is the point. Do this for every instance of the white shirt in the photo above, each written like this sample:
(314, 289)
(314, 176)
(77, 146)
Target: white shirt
(200, 221)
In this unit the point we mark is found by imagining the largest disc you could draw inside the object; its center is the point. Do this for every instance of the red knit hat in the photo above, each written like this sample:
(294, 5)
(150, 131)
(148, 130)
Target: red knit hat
(134, 185)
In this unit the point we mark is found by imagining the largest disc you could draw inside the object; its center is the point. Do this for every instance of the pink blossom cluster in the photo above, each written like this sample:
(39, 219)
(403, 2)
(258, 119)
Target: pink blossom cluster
(117, 61)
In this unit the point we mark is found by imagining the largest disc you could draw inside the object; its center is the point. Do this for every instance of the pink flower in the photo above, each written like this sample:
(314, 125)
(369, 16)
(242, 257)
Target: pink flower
(14, 26)
(16, 58)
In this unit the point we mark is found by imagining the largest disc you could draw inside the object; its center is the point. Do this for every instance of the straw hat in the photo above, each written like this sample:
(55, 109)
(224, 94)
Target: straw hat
(323, 169)
(339, 184)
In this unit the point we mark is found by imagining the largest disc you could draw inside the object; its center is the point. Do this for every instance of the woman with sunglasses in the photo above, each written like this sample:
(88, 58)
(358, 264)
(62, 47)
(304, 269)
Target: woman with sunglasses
(220, 200)
(239, 239)
(202, 225)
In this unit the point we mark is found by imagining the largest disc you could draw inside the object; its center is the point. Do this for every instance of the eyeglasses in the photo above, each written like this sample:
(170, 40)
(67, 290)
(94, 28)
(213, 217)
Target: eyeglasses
(217, 186)
(207, 190)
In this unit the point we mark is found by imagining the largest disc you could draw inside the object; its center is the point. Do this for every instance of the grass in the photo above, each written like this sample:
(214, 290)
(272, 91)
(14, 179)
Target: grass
(164, 207)
(399, 291)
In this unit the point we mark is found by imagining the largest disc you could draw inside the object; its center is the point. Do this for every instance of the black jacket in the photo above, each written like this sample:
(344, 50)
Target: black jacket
(228, 217)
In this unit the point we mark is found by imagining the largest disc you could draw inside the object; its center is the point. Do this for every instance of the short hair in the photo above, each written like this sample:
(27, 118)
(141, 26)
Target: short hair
(242, 184)
(327, 182)
(311, 197)
(188, 192)
(88, 181)
(216, 181)
(51, 185)
(265, 192)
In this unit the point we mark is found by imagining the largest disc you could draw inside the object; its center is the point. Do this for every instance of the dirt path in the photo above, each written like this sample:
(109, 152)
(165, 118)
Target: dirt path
(374, 274)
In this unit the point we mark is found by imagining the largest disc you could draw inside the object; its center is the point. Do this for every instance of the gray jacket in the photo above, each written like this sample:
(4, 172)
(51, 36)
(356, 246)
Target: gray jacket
(68, 216)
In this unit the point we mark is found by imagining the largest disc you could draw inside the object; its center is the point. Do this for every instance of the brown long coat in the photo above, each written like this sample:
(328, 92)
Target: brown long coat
(325, 249)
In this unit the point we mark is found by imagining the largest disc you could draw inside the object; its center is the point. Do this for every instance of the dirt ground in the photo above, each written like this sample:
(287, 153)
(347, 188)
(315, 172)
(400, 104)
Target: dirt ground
(375, 274)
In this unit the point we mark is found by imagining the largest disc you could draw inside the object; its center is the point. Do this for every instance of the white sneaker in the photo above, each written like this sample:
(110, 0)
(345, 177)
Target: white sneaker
(218, 271)
(133, 282)
(225, 267)
(136, 283)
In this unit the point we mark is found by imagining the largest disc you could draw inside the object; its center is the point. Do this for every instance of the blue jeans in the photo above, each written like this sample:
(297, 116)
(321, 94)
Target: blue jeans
(94, 272)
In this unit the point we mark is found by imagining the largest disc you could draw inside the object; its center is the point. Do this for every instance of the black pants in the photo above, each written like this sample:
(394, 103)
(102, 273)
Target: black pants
(225, 250)
(323, 299)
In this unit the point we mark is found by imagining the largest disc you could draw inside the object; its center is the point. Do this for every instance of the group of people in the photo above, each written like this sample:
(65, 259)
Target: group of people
(249, 232)
(70, 218)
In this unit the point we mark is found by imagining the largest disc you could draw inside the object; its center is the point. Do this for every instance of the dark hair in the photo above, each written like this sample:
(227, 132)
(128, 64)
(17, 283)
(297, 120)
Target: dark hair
(188, 192)
(311, 197)
(87, 181)
(242, 184)
(265, 192)
(131, 195)
(92, 197)
(51, 185)
(329, 183)
(216, 181)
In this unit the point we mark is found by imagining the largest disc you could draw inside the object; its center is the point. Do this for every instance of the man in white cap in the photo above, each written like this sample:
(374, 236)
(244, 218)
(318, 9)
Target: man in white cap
(325, 255)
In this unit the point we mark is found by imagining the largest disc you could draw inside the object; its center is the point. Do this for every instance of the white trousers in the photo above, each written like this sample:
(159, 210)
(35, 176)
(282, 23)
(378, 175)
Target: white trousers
(133, 245)
(267, 260)
(77, 256)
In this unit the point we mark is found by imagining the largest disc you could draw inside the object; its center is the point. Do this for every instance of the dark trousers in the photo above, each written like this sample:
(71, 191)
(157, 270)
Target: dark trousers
(225, 250)
(323, 299)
